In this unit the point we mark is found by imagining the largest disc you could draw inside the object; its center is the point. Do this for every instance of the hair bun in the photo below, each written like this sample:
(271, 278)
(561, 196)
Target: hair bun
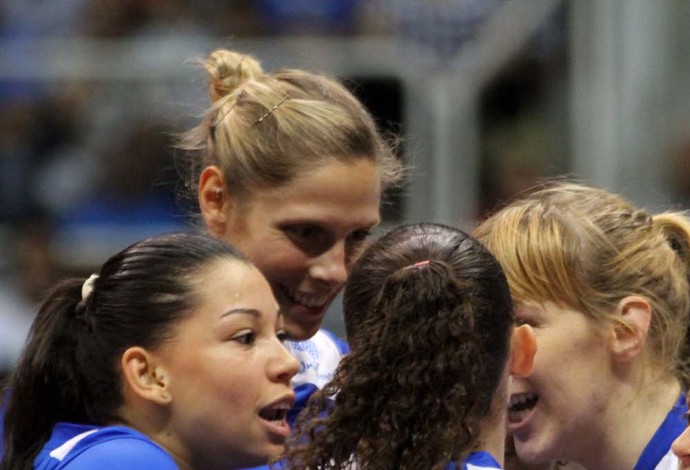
(228, 70)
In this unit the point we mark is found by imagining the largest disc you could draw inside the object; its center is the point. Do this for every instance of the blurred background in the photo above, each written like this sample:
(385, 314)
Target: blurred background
(489, 96)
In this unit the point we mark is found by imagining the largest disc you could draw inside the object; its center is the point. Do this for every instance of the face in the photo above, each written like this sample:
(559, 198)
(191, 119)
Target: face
(556, 412)
(305, 235)
(681, 447)
(229, 374)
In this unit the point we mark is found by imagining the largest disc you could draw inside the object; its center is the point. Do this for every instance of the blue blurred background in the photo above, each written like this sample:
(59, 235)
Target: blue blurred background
(489, 97)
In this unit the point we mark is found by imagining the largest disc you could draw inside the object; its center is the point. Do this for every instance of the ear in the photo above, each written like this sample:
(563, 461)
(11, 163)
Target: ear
(523, 347)
(213, 196)
(144, 377)
(629, 336)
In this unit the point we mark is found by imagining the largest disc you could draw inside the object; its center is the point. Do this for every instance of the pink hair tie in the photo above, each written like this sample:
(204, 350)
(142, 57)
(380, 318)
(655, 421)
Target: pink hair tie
(419, 264)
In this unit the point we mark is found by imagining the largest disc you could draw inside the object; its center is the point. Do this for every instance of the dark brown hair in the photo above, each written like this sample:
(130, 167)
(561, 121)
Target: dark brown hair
(69, 369)
(429, 316)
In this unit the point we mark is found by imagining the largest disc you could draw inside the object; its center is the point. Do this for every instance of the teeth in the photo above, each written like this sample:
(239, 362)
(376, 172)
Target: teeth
(308, 300)
(521, 401)
(520, 406)
(274, 414)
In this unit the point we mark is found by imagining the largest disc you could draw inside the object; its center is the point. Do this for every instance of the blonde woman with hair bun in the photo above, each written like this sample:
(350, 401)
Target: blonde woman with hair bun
(289, 167)
(605, 286)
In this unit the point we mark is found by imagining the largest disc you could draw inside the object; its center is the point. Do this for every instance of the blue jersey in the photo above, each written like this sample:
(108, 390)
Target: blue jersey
(479, 460)
(318, 358)
(83, 447)
(658, 455)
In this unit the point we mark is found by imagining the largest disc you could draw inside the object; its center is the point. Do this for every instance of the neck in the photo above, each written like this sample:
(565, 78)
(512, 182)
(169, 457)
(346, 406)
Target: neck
(634, 416)
(492, 438)
(151, 421)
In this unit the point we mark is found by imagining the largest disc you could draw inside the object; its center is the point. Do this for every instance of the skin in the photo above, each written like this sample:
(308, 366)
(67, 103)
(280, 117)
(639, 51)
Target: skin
(571, 400)
(580, 364)
(681, 447)
(304, 235)
(522, 349)
(223, 369)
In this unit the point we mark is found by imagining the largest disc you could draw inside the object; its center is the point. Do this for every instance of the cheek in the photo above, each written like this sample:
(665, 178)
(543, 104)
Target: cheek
(221, 383)
(280, 264)
(569, 360)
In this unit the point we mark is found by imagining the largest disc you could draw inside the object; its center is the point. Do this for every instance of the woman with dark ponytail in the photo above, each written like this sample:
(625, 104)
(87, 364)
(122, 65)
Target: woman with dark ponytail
(430, 323)
(170, 357)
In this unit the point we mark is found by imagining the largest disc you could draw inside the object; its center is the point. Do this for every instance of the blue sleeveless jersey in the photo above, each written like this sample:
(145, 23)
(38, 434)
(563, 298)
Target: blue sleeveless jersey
(83, 447)
(658, 455)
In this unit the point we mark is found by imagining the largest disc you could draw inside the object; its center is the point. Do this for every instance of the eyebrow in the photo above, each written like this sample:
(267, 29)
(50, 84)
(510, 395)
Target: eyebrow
(246, 311)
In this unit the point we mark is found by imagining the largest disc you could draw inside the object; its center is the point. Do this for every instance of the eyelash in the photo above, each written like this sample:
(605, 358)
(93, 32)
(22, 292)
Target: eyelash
(523, 321)
(360, 235)
(245, 338)
(282, 336)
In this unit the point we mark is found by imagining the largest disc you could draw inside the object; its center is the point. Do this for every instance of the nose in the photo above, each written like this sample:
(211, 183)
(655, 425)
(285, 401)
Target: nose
(284, 366)
(681, 447)
(331, 265)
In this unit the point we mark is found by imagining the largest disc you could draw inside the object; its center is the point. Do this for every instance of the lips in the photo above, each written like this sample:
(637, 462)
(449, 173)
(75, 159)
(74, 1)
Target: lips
(310, 301)
(520, 406)
(275, 414)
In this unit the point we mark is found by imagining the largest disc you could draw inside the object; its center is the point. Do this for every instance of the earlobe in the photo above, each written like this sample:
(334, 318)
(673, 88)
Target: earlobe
(143, 377)
(628, 337)
(523, 347)
(212, 198)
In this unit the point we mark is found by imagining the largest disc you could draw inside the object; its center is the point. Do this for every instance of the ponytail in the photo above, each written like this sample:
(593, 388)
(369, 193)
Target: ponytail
(429, 316)
(676, 228)
(46, 377)
(69, 370)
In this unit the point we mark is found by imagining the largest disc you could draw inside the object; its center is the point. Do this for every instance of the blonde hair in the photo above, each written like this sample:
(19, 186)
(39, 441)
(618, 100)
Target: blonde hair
(587, 249)
(263, 129)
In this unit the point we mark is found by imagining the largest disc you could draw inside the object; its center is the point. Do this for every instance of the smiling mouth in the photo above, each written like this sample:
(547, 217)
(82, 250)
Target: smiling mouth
(308, 300)
(520, 405)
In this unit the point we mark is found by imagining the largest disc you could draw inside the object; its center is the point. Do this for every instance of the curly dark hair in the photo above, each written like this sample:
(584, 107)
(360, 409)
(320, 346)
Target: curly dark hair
(429, 316)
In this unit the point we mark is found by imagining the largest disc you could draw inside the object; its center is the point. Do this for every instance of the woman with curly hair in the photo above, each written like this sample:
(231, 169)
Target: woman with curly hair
(430, 323)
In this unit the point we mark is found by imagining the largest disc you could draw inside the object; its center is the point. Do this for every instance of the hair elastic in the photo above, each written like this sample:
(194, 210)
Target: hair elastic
(418, 264)
(87, 287)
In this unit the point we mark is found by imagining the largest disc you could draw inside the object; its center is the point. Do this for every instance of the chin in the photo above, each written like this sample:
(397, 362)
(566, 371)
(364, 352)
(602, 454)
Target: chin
(300, 333)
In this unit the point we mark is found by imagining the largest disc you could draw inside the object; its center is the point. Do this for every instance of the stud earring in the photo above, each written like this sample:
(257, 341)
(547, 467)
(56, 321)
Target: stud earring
(218, 192)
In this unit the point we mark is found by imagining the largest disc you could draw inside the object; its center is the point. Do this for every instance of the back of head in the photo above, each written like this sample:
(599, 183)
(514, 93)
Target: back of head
(264, 129)
(69, 369)
(428, 315)
(588, 249)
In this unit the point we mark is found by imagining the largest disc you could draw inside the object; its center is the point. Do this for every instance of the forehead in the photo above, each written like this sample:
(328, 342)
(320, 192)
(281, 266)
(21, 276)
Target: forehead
(335, 191)
(227, 282)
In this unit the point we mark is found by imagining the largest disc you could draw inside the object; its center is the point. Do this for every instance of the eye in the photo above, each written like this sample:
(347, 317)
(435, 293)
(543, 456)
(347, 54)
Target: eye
(246, 337)
(282, 336)
(303, 232)
(356, 243)
(519, 321)
(360, 235)
(311, 239)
